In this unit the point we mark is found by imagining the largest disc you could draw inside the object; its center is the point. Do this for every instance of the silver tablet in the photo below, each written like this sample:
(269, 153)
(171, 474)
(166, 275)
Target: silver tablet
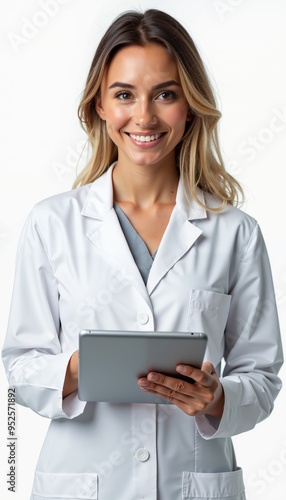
(111, 362)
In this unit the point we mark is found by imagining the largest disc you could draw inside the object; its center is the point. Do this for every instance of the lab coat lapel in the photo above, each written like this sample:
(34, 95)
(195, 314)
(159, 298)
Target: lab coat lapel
(178, 238)
(105, 232)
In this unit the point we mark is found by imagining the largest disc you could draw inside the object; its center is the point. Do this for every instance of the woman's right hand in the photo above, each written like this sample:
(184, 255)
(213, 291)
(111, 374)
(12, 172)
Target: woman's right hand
(71, 379)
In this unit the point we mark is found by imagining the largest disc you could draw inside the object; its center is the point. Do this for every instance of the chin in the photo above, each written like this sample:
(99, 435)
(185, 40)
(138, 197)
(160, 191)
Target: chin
(144, 162)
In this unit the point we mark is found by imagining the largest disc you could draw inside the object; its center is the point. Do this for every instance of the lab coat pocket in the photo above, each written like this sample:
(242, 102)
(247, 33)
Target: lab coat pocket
(65, 486)
(213, 486)
(208, 313)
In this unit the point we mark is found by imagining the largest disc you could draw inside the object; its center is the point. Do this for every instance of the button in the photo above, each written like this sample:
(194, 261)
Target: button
(142, 455)
(142, 318)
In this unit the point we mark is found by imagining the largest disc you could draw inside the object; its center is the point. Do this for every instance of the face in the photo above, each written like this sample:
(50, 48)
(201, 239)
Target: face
(143, 104)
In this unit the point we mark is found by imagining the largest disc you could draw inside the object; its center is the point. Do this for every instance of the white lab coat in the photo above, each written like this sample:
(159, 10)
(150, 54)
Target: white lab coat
(74, 271)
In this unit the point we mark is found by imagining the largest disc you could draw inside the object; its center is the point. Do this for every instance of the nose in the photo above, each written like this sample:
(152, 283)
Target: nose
(144, 114)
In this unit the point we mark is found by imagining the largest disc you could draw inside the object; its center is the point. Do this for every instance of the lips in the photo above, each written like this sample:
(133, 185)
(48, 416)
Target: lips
(146, 138)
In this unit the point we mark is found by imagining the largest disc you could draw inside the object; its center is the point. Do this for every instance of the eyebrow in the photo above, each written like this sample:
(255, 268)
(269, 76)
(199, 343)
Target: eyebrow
(155, 87)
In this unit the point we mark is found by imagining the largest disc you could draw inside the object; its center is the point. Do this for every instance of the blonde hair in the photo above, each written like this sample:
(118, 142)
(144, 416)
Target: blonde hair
(198, 154)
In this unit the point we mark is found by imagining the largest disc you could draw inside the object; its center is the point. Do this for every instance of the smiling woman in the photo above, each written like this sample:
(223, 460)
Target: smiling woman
(149, 241)
(157, 38)
(146, 116)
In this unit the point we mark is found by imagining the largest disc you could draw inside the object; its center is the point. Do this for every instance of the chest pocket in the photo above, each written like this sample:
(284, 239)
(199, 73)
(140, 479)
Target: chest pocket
(208, 313)
(213, 486)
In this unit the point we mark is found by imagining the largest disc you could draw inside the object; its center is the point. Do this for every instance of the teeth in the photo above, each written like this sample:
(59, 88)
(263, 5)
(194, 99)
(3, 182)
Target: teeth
(145, 138)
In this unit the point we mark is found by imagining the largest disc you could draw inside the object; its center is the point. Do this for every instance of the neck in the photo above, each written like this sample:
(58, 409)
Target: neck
(145, 186)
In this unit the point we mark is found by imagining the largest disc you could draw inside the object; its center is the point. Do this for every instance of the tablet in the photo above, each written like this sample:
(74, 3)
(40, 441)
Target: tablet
(111, 362)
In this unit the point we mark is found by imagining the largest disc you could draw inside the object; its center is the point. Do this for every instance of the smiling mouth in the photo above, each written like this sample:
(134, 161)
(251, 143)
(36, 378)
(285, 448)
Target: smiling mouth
(146, 138)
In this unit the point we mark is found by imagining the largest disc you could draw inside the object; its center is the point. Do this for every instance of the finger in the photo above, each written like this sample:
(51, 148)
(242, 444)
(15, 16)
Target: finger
(176, 387)
(172, 392)
(162, 384)
(176, 384)
(187, 403)
(203, 378)
(155, 381)
(208, 367)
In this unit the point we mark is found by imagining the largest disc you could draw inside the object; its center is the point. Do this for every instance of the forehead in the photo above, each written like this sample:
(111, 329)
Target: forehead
(151, 62)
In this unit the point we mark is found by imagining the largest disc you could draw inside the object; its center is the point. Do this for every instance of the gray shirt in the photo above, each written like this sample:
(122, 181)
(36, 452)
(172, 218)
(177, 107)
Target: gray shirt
(138, 248)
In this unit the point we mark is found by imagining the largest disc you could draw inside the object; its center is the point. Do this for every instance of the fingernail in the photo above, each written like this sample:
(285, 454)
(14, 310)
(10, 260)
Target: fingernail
(181, 368)
(143, 382)
(153, 377)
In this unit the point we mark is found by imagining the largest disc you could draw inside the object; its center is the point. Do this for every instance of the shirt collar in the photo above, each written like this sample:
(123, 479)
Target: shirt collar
(99, 200)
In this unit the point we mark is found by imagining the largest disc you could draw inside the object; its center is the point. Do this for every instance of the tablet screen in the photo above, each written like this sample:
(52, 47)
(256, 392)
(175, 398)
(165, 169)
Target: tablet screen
(111, 362)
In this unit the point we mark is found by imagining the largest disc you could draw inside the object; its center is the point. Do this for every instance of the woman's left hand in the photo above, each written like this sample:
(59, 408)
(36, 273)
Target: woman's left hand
(203, 395)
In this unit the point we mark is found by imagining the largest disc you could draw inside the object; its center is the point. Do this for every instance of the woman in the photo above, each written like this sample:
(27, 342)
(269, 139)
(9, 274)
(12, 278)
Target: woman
(149, 240)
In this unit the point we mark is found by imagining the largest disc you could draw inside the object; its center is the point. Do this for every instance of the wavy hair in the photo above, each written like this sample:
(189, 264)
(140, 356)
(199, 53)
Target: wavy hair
(198, 154)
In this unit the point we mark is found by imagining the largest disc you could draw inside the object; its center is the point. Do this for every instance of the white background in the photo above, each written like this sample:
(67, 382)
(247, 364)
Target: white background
(46, 50)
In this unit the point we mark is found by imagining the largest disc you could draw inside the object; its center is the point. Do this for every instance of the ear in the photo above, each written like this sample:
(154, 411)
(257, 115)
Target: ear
(189, 114)
(99, 108)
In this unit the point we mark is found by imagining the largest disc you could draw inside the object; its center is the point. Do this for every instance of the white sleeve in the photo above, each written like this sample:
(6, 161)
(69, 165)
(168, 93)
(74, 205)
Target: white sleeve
(253, 351)
(32, 353)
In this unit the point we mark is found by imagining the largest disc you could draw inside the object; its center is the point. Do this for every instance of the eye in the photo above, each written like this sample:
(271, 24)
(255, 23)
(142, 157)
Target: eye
(124, 96)
(167, 95)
